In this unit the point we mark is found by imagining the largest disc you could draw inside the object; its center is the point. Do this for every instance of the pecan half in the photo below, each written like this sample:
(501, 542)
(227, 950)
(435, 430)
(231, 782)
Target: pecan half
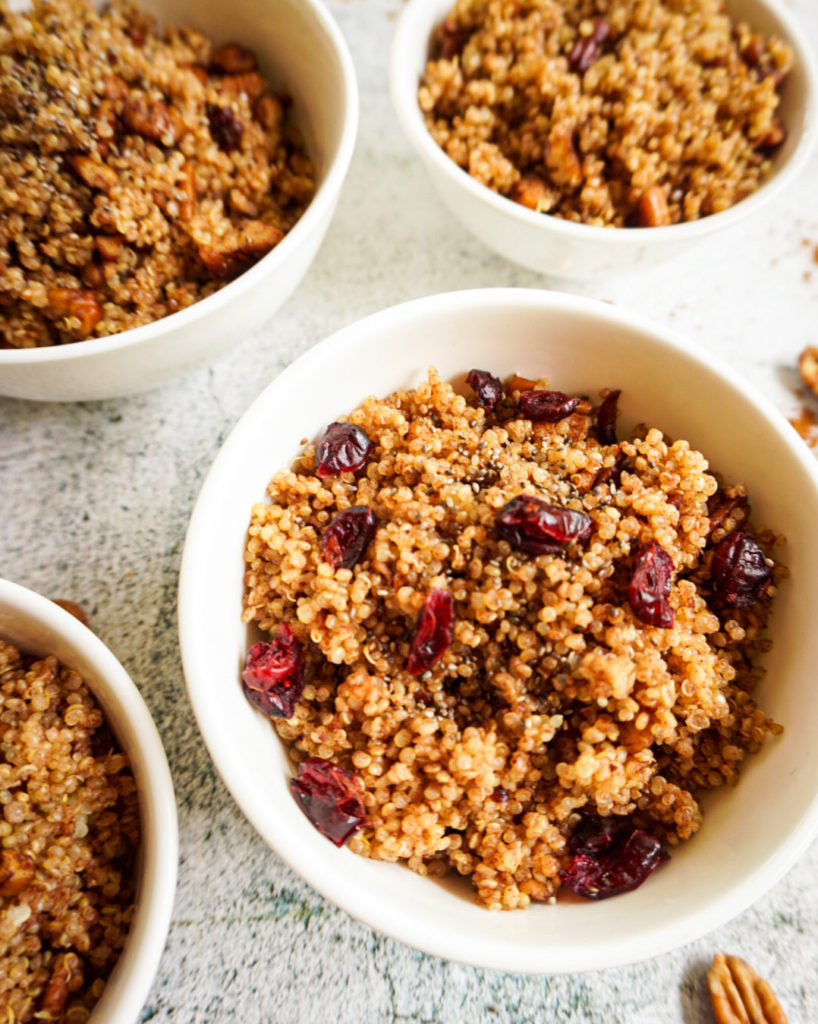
(154, 120)
(254, 240)
(93, 172)
(80, 307)
(739, 996)
(808, 368)
(16, 871)
(66, 977)
(232, 59)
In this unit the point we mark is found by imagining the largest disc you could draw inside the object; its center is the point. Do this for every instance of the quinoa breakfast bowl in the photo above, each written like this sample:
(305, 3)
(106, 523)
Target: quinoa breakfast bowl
(597, 136)
(748, 834)
(161, 201)
(89, 833)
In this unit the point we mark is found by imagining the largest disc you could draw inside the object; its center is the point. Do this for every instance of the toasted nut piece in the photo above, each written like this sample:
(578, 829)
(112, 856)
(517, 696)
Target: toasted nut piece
(517, 383)
(651, 210)
(187, 188)
(808, 368)
(115, 88)
(562, 160)
(78, 305)
(154, 120)
(94, 172)
(92, 276)
(16, 871)
(251, 84)
(254, 240)
(66, 977)
(268, 111)
(533, 192)
(108, 246)
(232, 59)
(739, 995)
(73, 609)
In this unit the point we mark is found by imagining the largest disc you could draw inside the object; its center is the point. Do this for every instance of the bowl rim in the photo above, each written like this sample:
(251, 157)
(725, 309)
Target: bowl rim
(403, 84)
(311, 220)
(130, 982)
(482, 952)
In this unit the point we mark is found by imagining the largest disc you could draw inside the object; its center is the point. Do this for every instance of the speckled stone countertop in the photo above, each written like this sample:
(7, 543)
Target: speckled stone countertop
(95, 501)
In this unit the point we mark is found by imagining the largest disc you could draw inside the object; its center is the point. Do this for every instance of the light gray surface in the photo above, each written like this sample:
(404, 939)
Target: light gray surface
(95, 501)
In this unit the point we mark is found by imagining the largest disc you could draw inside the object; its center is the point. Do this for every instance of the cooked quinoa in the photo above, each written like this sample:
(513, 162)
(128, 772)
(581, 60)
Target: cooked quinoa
(607, 112)
(139, 171)
(69, 833)
(553, 698)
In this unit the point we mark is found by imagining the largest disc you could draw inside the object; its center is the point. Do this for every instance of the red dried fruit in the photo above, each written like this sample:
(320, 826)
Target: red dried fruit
(487, 388)
(449, 40)
(547, 406)
(649, 588)
(588, 49)
(610, 856)
(330, 797)
(612, 473)
(741, 575)
(531, 525)
(273, 676)
(225, 126)
(433, 632)
(347, 536)
(344, 448)
(606, 418)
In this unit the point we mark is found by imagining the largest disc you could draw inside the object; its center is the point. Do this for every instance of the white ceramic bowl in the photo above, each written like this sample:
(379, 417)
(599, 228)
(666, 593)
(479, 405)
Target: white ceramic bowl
(562, 248)
(38, 626)
(752, 834)
(299, 47)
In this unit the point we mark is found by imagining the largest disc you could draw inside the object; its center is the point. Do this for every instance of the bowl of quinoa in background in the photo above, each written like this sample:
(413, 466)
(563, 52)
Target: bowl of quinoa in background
(544, 122)
(749, 835)
(169, 173)
(89, 842)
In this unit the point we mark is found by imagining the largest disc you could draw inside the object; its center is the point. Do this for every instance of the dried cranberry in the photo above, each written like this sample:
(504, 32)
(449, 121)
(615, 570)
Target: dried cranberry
(347, 537)
(531, 525)
(649, 588)
(606, 419)
(547, 406)
(588, 49)
(489, 389)
(330, 797)
(225, 126)
(740, 572)
(610, 856)
(273, 676)
(433, 632)
(344, 448)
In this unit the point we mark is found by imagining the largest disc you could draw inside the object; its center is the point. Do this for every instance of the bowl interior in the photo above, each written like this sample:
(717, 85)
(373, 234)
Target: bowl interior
(751, 834)
(38, 627)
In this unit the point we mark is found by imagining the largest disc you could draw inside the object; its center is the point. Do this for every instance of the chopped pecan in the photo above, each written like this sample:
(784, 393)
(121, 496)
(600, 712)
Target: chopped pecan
(232, 59)
(739, 996)
(588, 49)
(115, 88)
(250, 84)
(651, 209)
(721, 505)
(187, 187)
(154, 120)
(562, 160)
(94, 172)
(16, 871)
(109, 246)
(774, 136)
(81, 308)
(92, 276)
(533, 192)
(228, 259)
(808, 368)
(268, 111)
(73, 609)
(66, 977)
(518, 383)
